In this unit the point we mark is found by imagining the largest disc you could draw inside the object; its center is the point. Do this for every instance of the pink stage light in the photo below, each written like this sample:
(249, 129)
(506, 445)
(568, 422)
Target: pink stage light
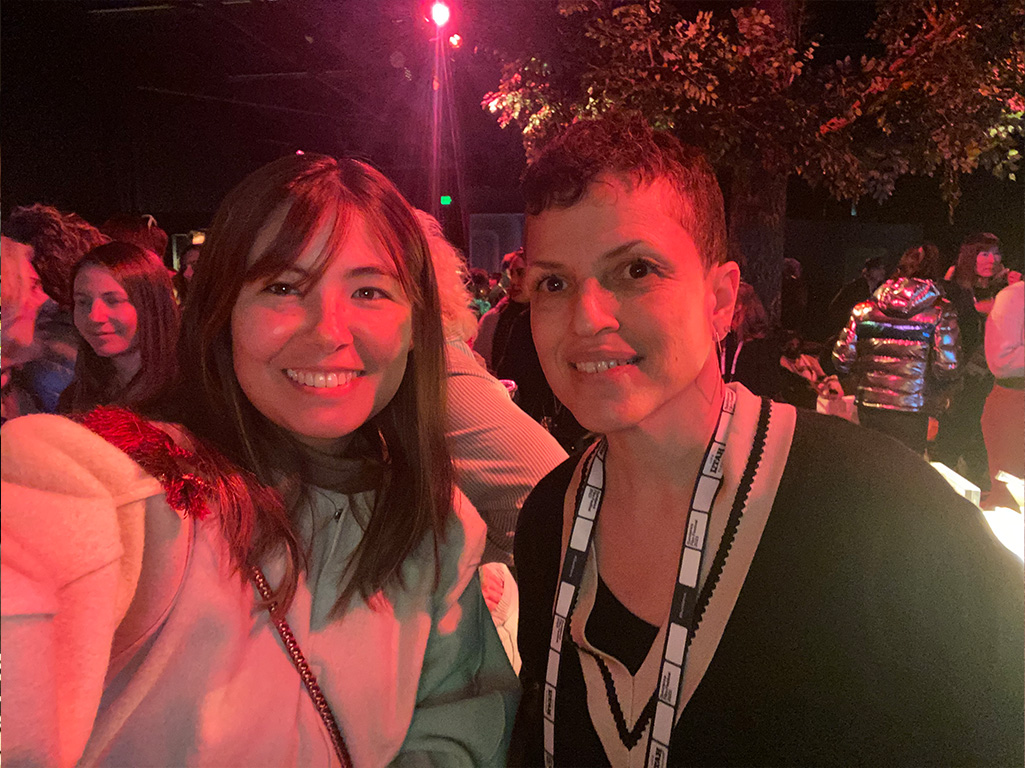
(440, 14)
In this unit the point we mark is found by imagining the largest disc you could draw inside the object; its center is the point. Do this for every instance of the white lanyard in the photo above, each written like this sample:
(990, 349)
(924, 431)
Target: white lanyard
(682, 614)
(722, 360)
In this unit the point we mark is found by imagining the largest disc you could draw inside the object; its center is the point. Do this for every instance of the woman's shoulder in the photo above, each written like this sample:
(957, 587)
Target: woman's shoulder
(857, 466)
(73, 503)
(109, 451)
(542, 515)
(555, 484)
(840, 438)
(464, 526)
(461, 546)
(60, 454)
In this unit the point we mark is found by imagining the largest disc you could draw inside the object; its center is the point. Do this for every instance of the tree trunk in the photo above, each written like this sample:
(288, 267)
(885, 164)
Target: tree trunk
(757, 217)
(758, 199)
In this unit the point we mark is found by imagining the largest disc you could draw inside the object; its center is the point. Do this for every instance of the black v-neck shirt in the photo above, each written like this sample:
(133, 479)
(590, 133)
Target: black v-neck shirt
(880, 623)
(614, 630)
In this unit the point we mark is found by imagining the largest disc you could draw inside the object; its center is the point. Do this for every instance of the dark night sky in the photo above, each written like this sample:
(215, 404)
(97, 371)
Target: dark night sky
(162, 107)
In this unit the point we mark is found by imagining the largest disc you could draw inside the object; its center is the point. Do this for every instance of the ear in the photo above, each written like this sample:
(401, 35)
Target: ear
(723, 283)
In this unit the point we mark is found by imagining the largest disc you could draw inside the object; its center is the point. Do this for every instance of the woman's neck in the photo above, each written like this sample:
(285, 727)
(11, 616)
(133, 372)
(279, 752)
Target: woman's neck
(664, 454)
(126, 367)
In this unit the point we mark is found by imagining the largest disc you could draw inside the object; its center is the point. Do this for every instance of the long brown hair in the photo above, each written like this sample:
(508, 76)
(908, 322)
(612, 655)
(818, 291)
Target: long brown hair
(146, 281)
(414, 498)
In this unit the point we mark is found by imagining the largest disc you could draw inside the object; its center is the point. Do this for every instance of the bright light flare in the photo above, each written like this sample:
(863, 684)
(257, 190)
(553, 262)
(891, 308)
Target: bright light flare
(440, 14)
(455, 41)
(1007, 527)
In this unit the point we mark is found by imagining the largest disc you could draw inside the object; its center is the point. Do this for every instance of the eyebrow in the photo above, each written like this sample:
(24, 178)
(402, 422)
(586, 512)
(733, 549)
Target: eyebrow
(105, 294)
(371, 271)
(609, 255)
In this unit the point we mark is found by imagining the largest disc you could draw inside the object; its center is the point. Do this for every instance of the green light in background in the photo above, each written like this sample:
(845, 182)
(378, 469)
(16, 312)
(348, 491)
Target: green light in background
(446, 199)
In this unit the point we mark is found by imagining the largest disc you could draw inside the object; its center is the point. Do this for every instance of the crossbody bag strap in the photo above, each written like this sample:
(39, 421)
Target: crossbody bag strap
(305, 673)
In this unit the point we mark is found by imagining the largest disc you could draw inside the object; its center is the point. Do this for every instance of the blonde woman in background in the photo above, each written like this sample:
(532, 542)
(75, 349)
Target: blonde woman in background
(22, 296)
(499, 452)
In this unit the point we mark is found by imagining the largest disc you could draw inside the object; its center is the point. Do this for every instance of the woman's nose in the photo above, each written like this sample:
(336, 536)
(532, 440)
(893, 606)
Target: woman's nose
(98, 311)
(332, 320)
(39, 296)
(594, 310)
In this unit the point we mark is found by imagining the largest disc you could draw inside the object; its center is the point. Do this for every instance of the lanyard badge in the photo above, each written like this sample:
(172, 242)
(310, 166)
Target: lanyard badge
(681, 616)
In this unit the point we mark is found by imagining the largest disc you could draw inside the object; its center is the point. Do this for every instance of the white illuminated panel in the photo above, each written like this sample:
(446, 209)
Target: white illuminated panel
(963, 486)
(1015, 485)
(1008, 528)
(1007, 524)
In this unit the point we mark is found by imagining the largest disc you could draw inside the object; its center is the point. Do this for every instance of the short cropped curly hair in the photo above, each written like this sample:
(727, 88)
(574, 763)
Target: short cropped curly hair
(627, 147)
(59, 241)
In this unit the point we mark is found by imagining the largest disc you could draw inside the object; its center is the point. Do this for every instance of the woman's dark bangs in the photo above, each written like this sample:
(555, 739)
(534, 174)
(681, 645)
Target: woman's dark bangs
(309, 210)
(397, 245)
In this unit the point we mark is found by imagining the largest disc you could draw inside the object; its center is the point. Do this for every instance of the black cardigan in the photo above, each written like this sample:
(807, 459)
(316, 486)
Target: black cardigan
(880, 623)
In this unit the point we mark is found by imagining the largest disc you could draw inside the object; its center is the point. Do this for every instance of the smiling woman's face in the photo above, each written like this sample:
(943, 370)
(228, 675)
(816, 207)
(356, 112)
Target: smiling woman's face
(623, 309)
(321, 359)
(104, 315)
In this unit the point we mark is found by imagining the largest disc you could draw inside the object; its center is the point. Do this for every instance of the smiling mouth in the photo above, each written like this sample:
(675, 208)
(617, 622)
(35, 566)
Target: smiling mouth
(601, 366)
(322, 379)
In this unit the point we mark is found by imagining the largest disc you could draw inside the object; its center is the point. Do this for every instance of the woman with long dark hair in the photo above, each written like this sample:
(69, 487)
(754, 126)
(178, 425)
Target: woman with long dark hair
(979, 275)
(127, 318)
(980, 269)
(307, 593)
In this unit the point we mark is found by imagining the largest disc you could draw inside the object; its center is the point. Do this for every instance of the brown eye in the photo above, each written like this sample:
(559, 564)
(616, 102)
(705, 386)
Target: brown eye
(551, 284)
(369, 293)
(281, 289)
(638, 270)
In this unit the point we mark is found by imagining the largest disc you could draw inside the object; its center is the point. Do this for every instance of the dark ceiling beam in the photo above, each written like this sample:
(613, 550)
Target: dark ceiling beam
(147, 6)
(132, 9)
(284, 56)
(241, 103)
(287, 75)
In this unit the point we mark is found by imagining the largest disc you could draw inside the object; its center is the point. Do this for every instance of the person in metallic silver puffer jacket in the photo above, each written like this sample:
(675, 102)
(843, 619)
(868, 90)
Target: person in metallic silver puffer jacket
(903, 348)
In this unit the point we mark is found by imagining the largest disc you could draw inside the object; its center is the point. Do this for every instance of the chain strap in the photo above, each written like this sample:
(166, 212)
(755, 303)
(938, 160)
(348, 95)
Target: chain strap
(305, 673)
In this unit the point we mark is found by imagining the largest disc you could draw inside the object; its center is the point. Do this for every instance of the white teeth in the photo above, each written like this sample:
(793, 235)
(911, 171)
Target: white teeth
(320, 379)
(599, 367)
